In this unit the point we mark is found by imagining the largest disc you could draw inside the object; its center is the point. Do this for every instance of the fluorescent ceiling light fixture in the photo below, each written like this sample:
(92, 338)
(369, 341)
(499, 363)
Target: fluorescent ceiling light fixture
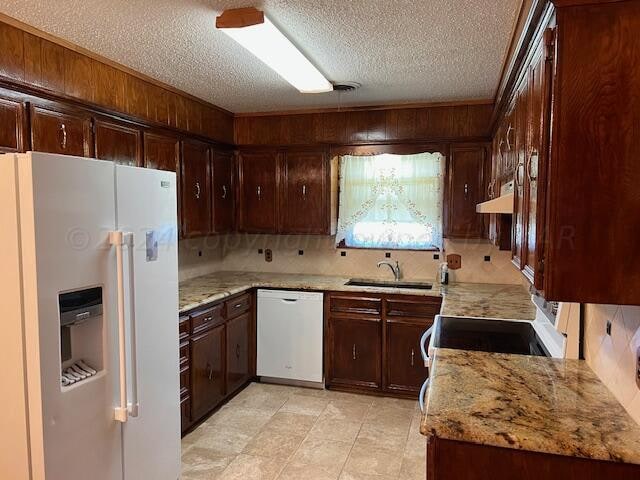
(253, 30)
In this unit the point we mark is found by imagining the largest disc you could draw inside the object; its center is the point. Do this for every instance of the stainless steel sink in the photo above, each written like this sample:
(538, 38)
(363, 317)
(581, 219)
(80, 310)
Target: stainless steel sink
(364, 282)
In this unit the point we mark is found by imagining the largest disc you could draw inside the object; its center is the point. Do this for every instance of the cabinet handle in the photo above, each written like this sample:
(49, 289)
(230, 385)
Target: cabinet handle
(509, 130)
(210, 369)
(224, 192)
(355, 353)
(304, 191)
(197, 190)
(534, 153)
(466, 191)
(518, 181)
(63, 129)
(259, 190)
(491, 188)
(237, 305)
(238, 351)
(413, 354)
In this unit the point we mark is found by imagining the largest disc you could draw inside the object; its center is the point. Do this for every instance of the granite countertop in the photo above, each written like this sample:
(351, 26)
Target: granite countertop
(530, 403)
(460, 299)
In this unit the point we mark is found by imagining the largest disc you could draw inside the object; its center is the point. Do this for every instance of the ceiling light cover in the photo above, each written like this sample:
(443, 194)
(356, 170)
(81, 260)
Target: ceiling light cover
(267, 43)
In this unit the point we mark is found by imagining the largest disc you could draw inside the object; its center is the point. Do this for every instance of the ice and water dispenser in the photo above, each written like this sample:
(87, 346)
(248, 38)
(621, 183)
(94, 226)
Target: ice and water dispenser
(80, 335)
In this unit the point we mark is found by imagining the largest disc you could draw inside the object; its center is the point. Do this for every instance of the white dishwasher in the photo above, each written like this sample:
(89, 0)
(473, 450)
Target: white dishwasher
(290, 336)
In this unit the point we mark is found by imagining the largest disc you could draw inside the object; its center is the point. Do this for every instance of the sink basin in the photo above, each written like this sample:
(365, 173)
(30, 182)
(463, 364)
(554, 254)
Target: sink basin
(363, 282)
(486, 335)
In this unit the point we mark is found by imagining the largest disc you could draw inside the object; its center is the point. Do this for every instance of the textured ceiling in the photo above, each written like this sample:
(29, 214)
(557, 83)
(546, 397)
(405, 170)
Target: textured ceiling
(400, 51)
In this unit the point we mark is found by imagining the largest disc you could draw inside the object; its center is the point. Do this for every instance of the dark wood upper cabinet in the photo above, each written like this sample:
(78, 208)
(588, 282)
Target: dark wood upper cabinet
(161, 152)
(519, 187)
(305, 193)
(258, 184)
(196, 189)
(61, 131)
(12, 126)
(466, 188)
(238, 351)
(118, 143)
(207, 370)
(223, 192)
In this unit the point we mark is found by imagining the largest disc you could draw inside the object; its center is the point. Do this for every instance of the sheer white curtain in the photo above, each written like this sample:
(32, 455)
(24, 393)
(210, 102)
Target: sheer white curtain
(391, 201)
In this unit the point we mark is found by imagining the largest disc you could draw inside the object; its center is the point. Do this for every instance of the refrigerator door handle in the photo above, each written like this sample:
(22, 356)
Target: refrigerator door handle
(133, 406)
(120, 412)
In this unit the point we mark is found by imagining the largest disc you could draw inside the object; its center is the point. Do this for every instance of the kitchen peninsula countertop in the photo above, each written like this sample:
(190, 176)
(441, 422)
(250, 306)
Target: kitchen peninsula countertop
(459, 299)
(530, 403)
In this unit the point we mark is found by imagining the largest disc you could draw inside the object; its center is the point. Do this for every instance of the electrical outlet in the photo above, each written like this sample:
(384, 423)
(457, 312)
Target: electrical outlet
(199, 253)
(487, 258)
(300, 252)
(268, 255)
(387, 254)
(260, 251)
(343, 254)
(436, 256)
(609, 327)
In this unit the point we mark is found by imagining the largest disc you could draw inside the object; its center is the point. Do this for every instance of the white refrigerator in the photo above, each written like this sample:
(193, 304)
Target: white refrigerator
(89, 280)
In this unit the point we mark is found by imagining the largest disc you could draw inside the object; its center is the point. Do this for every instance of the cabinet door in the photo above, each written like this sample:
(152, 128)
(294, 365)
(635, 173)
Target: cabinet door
(405, 368)
(223, 192)
(540, 80)
(196, 189)
(356, 352)
(522, 123)
(161, 152)
(466, 190)
(238, 365)
(12, 126)
(258, 192)
(207, 371)
(66, 133)
(118, 143)
(304, 199)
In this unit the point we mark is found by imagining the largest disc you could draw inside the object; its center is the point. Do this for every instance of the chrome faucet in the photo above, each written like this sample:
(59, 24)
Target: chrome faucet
(395, 270)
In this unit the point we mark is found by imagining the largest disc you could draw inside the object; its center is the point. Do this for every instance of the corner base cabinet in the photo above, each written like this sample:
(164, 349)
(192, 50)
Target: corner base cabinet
(217, 355)
(372, 342)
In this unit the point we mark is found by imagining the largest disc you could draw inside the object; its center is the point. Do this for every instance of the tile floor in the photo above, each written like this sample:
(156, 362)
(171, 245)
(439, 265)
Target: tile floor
(270, 432)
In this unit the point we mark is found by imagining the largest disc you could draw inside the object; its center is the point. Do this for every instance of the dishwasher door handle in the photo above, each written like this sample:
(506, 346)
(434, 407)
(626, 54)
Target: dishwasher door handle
(289, 300)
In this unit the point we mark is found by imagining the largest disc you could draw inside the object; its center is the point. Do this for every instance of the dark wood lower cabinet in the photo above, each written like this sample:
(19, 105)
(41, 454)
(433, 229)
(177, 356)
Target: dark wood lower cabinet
(238, 341)
(450, 459)
(356, 352)
(405, 368)
(217, 355)
(372, 343)
(207, 363)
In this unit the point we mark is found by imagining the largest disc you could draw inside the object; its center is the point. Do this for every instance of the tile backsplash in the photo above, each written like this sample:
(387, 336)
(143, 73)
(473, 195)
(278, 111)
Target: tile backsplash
(320, 256)
(613, 357)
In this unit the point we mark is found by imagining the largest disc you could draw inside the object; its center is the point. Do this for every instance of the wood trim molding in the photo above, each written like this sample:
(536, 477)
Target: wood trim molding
(240, 17)
(99, 58)
(358, 108)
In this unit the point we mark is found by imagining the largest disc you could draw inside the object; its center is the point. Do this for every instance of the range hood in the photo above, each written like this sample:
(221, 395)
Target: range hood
(501, 204)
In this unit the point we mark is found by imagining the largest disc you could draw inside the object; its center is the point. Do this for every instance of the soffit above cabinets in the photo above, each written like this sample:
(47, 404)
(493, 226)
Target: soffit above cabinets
(404, 51)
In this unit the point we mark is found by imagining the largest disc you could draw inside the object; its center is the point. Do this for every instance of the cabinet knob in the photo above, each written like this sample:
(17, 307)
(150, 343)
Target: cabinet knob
(466, 191)
(63, 129)
(224, 192)
(197, 192)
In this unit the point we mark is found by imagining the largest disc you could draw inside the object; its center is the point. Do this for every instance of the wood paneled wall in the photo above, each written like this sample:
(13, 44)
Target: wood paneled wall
(42, 64)
(367, 126)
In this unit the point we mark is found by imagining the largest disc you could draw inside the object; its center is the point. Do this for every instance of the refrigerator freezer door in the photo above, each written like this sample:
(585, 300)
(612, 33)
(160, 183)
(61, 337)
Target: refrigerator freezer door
(67, 208)
(146, 208)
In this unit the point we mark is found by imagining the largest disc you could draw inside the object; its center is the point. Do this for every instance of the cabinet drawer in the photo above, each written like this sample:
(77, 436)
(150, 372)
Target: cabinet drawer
(426, 308)
(184, 353)
(185, 381)
(207, 318)
(351, 305)
(184, 328)
(238, 305)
